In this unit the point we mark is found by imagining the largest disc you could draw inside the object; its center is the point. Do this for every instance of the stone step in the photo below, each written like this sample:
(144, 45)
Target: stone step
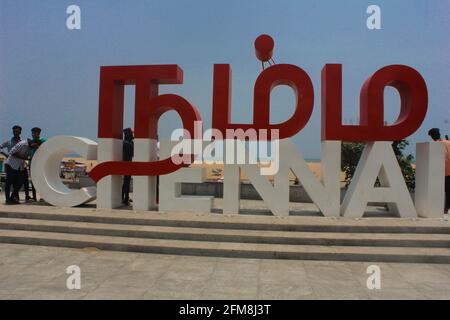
(228, 249)
(230, 235)
(232, 222)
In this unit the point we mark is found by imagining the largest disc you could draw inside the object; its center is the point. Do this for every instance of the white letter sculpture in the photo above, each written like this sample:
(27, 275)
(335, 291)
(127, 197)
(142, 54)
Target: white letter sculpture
(46, 167)
(378, 161)
(429, 196)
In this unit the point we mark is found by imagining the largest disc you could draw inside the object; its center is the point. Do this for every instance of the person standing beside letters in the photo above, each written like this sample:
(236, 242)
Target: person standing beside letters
(435, 134)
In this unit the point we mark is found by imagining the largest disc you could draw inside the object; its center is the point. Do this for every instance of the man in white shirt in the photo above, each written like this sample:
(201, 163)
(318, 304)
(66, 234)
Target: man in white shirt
(8, 145)
(16, 166)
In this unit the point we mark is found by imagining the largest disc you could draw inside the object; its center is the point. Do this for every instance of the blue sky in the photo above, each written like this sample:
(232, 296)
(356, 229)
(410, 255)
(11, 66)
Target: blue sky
(49, 75)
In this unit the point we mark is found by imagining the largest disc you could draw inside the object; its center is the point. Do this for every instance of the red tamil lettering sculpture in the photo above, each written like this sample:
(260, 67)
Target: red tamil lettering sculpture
(280, 74)
(414, 103)
(150, 105)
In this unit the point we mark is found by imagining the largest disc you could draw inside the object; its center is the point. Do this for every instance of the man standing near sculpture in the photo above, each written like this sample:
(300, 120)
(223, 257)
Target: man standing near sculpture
(10, 174)
(435, 134)
(128, 152)
(16, 163)
(36, 142)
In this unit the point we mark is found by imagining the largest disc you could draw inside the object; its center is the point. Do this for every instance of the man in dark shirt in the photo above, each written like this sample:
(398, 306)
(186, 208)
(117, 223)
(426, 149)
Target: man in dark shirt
(36, 142)
(128, 152)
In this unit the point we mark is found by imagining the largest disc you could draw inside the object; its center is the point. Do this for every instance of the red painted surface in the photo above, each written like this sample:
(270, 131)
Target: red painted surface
(119, 168)
(112, 81)
(280, 74)
(147, 124)
(264, 45)
(414, 103)
(148, 109)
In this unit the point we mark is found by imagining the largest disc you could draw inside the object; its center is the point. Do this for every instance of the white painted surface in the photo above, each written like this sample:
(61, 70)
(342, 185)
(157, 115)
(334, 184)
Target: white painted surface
(378, 160)
(144, 188)
(170, 198)
(46, 167)
(430, 181)
(109, 189)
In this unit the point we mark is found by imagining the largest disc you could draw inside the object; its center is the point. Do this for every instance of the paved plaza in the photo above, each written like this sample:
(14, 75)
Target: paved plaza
(38, 272)
(31, 272)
